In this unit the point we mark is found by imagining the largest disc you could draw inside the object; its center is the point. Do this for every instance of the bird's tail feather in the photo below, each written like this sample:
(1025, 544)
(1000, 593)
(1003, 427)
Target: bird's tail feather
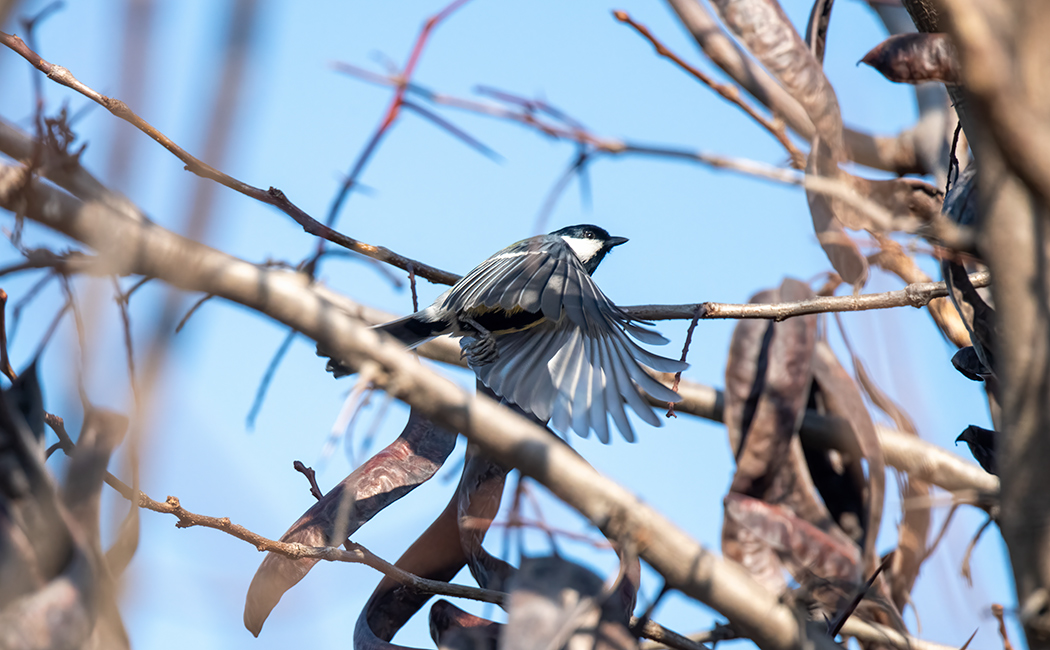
(410, 330)
(413, 330)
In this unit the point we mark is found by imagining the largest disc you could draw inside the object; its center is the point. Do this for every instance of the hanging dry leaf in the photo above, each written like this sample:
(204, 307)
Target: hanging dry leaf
(767, 32)
(982, 445)
(407, 462)
(842, 252)
(914, 527)
(817, 27)
(54, 589)
(555, 604)
(915, 59)
(767, 383)
(767, 388)
(840, 478)
(803, 546)
(454, 629)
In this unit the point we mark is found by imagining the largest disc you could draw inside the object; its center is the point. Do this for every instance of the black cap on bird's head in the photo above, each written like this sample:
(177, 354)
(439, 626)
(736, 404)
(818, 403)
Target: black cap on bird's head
(589, 243)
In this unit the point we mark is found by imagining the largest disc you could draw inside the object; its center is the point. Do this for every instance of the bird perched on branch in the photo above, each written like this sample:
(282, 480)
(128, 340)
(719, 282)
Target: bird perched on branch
(538, 331)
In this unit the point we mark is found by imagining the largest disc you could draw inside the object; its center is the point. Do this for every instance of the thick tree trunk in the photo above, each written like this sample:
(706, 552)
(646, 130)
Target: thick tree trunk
(1004, 50)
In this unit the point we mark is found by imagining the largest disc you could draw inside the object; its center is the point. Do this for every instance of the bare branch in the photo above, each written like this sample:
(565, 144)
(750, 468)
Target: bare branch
(893, 153)
(500, 434)
(913, 295)
(880, 634)
(736, 63)
(392, 112)
(728, 92)
(273, 196)
(5, 362)
(905, 452)
(354, 553)
(851, 191)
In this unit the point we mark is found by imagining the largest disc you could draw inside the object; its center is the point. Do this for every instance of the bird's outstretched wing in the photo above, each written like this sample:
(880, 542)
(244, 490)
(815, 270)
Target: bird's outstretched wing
(577, 365)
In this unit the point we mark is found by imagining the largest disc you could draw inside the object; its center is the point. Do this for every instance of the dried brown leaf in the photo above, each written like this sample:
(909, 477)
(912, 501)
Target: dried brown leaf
(747, 549)
(407, 462)
(54, 591)
(982, 444)
(767, 32)
(843, 254)
(767, 383)
(478, 498)
(841, 397)
(555, 603)
(817, 27)
(803, 547)
(767, 387)
(914, 528)
(893, 259)
(960, 204)
(902, 197)
(915, 58)
(454, 629)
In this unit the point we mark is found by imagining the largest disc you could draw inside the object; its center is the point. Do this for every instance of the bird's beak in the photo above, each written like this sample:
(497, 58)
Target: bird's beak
(616, 241)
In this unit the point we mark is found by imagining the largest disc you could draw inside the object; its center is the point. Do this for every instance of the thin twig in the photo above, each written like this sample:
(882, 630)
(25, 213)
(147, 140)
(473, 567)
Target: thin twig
(5, 361)
(311, 477)
(272, 196)
(913, 295)
(51, 330)
(518, 522)
(953, 160)
(454, 131)
(267, 378)
(412, 286)
(571, 131)
(940, 535)
(662, 637)
(836, 626)
(776, 126)
(576, 167)
(393, 109)
(353, 553)
(129, 350)
(685, 354)
(192, 310)
(65, 443)
(27, 297)
(965, 569)
(997, 612)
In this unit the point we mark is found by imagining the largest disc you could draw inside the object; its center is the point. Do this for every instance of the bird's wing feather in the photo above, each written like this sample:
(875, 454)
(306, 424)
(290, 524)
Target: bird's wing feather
(487, 284)
(580, 365)
(613, 400)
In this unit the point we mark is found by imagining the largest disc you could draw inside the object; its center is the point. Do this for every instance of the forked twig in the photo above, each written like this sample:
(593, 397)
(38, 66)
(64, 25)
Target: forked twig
(776, 127)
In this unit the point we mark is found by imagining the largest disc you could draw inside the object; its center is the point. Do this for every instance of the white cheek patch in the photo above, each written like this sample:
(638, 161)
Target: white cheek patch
(585, 249)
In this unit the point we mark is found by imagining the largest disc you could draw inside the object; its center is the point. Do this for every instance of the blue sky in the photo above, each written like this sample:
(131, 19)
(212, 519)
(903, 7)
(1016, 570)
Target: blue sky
(696, 234)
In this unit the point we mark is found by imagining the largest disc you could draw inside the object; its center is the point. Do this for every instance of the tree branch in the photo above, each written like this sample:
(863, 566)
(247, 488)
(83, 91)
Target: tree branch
(913, 295)
(730, 93)
(499, 433)
(736, 63)
(353, 553)
(272, 196)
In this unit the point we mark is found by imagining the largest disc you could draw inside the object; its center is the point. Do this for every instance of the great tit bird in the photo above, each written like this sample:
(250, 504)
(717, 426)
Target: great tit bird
(538, 331)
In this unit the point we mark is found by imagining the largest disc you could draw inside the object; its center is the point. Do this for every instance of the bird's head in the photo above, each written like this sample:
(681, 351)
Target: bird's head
(590, 243)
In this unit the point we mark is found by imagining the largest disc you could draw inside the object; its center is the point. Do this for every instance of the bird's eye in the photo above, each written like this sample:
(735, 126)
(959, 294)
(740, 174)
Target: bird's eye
(589, 235)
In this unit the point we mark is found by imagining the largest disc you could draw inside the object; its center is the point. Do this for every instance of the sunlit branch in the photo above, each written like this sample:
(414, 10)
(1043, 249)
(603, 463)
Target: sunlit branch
(499, 433)
(730, 93)
(913, 295)
(272, 196)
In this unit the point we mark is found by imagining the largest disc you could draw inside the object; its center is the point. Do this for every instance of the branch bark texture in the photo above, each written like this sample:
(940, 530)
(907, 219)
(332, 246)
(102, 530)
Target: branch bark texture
(146, 249)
